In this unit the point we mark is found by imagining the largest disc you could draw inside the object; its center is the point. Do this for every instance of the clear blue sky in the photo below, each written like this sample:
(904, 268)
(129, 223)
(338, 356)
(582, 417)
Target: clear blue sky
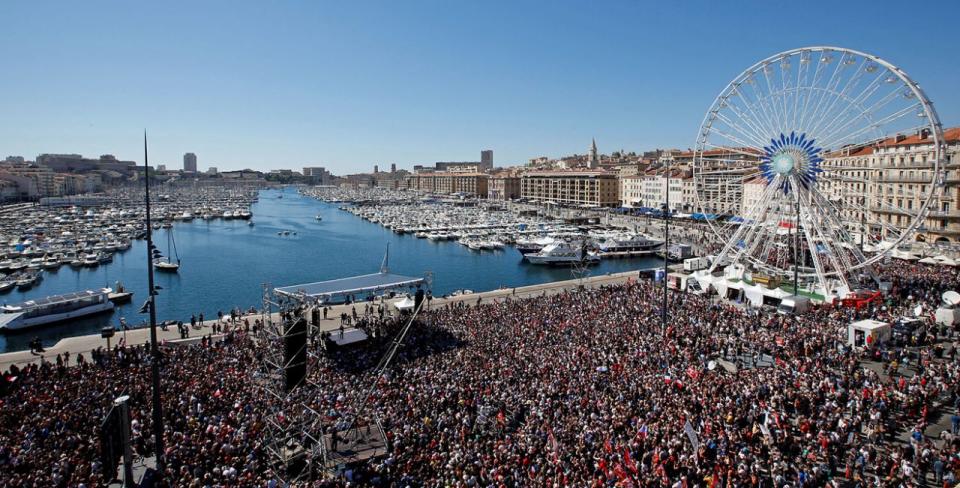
(348, 84)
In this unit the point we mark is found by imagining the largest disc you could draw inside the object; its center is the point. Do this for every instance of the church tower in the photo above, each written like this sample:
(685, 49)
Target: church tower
(594, 161)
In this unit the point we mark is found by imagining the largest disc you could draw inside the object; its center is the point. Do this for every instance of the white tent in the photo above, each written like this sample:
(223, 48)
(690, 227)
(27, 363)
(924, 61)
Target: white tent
(405, 305)
(945, 260)
(949, 311)
(868, 332)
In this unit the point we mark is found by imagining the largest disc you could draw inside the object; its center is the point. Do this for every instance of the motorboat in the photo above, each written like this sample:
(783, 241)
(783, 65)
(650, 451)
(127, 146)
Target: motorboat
(528, 246)
(26, 279)
(52, 262)
(318, 217)
(119, 294)
(563, 253)
(57, 308)
(7, 285)
(35, 263)
(91, 260)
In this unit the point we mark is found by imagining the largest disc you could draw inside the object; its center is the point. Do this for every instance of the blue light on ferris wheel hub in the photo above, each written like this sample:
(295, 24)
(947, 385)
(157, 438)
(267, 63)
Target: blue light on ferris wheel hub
(791, 155)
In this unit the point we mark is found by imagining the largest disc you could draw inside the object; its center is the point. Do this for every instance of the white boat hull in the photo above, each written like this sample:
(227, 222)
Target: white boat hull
(16, 321)
(559, 261)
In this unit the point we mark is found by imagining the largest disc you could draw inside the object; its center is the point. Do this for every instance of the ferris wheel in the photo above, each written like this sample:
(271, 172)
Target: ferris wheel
(801, 165)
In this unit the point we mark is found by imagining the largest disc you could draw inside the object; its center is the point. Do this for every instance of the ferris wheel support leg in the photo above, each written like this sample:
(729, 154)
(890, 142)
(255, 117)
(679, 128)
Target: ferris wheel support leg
(814, 255)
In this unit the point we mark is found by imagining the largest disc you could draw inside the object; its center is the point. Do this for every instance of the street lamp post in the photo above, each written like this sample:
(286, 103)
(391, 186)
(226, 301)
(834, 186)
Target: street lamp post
(796, 250)
(666, 252)
(155, 351)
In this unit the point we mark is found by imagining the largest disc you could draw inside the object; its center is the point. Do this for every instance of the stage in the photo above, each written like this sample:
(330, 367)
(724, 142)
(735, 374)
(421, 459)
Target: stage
(354, 446)
(351, 335)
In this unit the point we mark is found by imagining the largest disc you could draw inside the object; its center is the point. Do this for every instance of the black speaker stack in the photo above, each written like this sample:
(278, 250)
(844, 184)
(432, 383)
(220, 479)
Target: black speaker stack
(295, 352)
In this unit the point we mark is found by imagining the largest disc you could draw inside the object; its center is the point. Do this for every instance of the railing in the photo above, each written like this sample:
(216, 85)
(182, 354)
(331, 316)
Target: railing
(903, 179)
(941, 214)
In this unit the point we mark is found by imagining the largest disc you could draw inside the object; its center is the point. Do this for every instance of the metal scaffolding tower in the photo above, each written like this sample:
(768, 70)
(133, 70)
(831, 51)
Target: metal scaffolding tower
(292, 439)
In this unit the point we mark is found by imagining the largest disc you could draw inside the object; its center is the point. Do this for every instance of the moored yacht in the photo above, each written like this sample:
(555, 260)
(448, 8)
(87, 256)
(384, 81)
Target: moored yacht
(627, 242)
(527, 246)
(26, 279)
(52, 262)
(562, 253)
(91, 260)
(41, 311)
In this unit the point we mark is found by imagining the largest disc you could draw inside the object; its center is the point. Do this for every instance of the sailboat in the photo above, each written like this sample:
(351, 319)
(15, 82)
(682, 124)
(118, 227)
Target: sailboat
(162, 263)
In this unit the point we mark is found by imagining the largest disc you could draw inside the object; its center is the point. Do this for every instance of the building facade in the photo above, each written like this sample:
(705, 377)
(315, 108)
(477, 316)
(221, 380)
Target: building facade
(190, 162)
(753, 190)
(317, 175)
(886, 185)
(447, 183)
(631, 190)
(582, 188)
(486, 160)
(503, 187)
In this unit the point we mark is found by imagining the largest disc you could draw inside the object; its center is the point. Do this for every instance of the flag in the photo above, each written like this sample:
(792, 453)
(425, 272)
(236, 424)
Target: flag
(693, 373)
(643, 431)
(692, 435)
(629, 462)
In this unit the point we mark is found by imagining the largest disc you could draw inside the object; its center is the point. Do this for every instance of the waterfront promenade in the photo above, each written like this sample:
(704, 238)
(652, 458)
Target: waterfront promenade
(87, 343)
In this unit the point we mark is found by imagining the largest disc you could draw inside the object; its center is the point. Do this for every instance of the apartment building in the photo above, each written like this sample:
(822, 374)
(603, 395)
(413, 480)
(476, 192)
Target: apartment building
(886, 184)
(584, 188)
(503, 186)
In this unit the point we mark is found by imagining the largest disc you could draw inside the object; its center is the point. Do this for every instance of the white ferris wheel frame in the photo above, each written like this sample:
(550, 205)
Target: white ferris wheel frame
(932, 122)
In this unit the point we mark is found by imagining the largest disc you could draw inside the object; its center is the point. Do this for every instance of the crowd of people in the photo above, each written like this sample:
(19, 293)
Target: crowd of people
(577, 389)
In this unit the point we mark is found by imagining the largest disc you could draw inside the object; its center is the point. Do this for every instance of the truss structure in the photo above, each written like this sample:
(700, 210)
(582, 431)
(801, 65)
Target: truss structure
(291, 439)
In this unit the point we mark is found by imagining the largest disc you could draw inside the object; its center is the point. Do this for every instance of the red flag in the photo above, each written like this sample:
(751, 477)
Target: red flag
(619, 472)
(629, 462)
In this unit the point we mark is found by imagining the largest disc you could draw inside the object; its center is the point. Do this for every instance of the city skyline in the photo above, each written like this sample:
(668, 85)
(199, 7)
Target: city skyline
(346, 87)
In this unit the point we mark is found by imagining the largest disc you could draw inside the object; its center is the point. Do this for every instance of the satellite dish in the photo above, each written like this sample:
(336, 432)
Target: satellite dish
(951, 298)
(712, 365)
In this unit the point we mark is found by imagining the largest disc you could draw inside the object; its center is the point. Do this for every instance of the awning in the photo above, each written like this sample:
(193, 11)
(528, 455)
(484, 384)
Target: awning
(350, 286)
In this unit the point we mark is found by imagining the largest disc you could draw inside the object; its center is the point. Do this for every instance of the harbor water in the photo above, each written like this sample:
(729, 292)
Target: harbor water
(225, 263)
